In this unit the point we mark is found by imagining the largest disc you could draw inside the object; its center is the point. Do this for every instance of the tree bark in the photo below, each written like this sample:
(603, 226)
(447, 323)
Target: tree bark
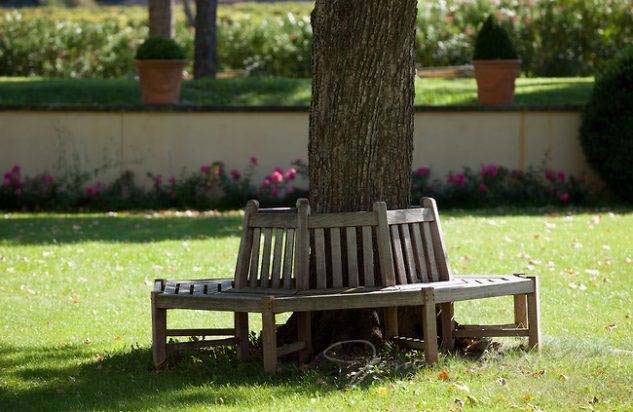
(361, 125)
(191, 19)
(205, 56)
(161, 19)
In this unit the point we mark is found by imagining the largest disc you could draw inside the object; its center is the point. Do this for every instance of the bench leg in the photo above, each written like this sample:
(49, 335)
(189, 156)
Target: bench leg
(429, 320)
(304, 332)
(447, 316)
(159, 334)
(391, 322)
(269, 334)
(533, 314)
(241, 333)
(520, 311)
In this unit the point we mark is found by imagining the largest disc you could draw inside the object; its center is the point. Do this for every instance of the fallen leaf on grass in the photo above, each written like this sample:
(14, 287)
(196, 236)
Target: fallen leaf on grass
(443, 375)
(611, 327)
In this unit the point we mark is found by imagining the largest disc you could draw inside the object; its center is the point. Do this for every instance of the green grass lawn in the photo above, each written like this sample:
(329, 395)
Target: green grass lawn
(75, 319)
(272, 91)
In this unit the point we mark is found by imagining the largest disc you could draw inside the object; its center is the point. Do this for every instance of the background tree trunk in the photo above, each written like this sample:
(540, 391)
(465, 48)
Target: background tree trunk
(161, 19)
(191, 19)
(205, 58)
(361, 124)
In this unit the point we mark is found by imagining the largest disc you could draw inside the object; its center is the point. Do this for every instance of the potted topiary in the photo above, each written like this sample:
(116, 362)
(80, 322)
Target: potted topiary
(496, 64)
(160, 62)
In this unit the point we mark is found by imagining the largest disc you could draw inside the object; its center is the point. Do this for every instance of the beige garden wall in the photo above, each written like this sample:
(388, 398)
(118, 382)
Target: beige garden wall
(171, 143)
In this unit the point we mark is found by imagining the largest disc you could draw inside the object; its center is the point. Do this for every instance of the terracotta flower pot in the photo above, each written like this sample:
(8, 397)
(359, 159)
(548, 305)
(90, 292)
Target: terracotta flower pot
(495, 80)
(160, 80)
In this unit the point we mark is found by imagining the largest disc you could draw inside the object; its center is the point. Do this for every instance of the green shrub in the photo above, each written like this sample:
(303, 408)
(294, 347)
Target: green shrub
(160, 48)
(606, 133)
(553, 38)
(493, 42)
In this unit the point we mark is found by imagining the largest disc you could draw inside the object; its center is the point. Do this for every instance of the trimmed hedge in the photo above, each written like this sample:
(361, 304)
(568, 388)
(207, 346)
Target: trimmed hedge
(493, 42)
(553, 38)
(606, 133)
(160, 48)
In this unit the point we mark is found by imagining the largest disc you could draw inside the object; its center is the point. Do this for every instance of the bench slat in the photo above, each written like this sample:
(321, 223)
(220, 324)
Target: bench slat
(430, 252)
(352, 256)
(405, 216)
(397, 255)
(408, 251)
(264, 274)
(368, 256)
(273, 220)
(347, 219)
(337, 264)
(277, 254)
(254, 266)
(319, 246)
(419, 253)
(288, 253)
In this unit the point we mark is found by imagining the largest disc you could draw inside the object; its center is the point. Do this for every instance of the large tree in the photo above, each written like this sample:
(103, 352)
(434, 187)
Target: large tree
(361, 124)
(161, 18)
(205, 56)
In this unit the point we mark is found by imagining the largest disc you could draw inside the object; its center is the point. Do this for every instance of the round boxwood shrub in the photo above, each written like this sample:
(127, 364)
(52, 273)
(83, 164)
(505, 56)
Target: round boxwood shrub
(160, 48)
(606, 133)
(493, 42)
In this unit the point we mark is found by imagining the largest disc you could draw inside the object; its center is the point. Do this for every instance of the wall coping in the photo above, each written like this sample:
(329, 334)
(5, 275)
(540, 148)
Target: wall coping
(274, 109)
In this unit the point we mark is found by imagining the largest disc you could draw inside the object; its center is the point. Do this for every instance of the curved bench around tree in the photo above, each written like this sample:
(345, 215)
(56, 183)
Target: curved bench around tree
(290, 260)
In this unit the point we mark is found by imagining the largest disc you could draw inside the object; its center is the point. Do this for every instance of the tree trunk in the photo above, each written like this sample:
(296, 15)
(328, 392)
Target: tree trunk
(361, 123)
(191, 20)
(205, 59)
(161, 19)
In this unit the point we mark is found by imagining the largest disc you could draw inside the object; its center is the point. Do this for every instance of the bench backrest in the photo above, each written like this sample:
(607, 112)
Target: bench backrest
(267, 255)
(419, 253)
(292, 249)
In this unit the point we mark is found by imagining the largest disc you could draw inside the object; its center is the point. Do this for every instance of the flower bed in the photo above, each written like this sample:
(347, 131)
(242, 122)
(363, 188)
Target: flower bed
(213, 187)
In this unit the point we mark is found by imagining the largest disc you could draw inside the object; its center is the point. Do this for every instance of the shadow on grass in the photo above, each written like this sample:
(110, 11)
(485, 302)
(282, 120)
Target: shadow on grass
(61, 229)
(62, 379)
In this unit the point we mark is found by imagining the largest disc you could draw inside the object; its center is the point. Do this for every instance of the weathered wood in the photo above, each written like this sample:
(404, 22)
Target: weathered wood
(368, 256)
(288, 258)
(383, 239)
(230, 302)
(391, 322)
(290, 348)
(201, 332)
(337, 263)
(490, 332)
(244, 252)
(429, 326)
(352, 257)
(448, 324)
(406, 216)
(409, 255)
(520, 311)
(438, 240)
(254, 267)
(184, 288)
(419, 253)
(302, 248)
(533, 312)
(319, 251)
(281, 220)
(200, 344)
(304, 334)
(277, 255)
(159, 285)
(412, 343)
(329, 220)
(269, 337)
(264, 275)
(430, 251)
(241, 335)
(159, 336)
(397, 255)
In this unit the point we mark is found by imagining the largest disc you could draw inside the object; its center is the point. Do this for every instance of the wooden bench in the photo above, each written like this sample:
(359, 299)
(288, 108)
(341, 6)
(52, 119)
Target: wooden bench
(290, 260)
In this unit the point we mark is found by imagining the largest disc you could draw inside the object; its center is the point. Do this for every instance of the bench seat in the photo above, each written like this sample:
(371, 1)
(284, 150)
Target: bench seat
(218, 294)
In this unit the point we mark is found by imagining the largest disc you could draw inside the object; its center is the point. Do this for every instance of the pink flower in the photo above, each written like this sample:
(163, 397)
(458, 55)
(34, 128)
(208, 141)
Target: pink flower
(560, 176)
(550, 175)
(172, 180)
(158, 180)
(266, 181)
(278, 169)
(488, 170)
(235, 174)
(563, 197)
(456, 179)
(94, 190)
(253, 161)
(291, 174)
(48, 179)
(16, 169)
(276, 177)
(422, 171)
(483, 188)
(205, 170)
